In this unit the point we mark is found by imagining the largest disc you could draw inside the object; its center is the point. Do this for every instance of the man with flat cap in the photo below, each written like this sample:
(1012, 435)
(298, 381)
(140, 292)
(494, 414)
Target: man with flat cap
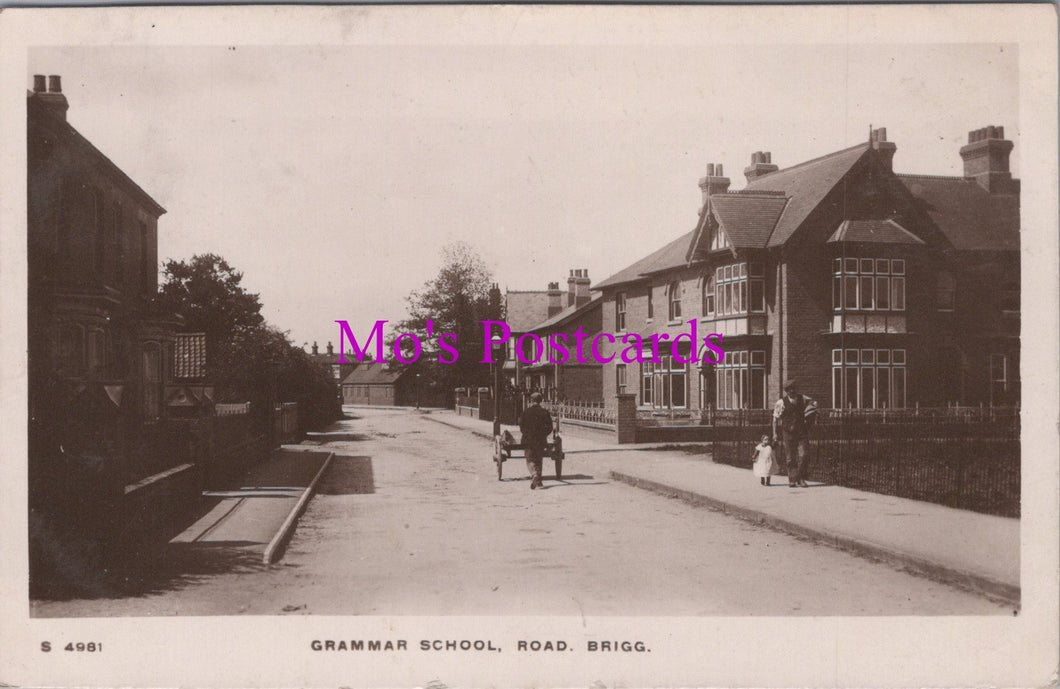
(792, 415)
(536, 425)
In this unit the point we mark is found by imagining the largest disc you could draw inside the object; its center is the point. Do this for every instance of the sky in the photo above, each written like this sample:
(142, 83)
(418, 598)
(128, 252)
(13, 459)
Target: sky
(333, 176)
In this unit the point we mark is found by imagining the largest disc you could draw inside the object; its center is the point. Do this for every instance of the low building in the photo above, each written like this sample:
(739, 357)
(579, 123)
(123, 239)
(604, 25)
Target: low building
(374, 384)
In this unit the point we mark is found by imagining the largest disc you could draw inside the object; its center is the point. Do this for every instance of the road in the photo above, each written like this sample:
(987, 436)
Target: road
(411, 520)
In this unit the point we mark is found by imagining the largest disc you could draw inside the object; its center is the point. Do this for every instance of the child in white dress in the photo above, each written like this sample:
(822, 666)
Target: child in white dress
(765, 465)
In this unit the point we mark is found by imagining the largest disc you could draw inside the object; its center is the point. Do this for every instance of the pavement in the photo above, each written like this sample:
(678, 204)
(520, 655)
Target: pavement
(974, 551)
(261, 514)
(966, 549)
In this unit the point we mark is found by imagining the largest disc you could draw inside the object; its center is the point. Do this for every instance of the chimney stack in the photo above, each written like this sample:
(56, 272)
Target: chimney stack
(714, 183)
(331, 350)
(884, 149)
(578, 287)
(555, 299)
(52, 97)
(986, 159)
(314, 348)
(761, 164)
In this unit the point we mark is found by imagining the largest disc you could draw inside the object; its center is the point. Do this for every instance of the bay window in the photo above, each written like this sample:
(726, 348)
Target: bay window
(866, 284)
(868, 378)
(735, 289)
(741, 380)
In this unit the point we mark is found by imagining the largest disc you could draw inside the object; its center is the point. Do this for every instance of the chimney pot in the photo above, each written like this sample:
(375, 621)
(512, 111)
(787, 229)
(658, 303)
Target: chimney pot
(331, 349)
(710, 169)
(719, 171)
(314, 347)
(38, 83)
(769, 157)
(55, 84)
(986, 159)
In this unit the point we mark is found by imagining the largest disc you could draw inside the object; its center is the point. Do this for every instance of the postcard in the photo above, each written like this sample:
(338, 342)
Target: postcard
(538, 346)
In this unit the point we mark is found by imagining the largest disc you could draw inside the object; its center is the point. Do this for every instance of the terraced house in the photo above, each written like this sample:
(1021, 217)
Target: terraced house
(873, 289)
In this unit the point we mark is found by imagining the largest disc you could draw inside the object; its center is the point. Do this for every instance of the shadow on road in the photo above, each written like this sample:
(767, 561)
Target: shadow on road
(348, 475)
(565, 479)
(564, 483)
(171, 567)
(336, 437)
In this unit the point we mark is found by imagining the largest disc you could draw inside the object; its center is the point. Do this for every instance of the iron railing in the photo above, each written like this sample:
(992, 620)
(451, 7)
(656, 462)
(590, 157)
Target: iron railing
(964, 460)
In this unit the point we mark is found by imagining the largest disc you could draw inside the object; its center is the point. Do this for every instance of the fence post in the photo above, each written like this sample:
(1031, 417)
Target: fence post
(626, 418)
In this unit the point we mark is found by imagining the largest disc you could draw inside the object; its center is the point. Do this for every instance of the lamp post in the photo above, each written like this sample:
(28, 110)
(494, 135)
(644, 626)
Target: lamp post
(497, 347)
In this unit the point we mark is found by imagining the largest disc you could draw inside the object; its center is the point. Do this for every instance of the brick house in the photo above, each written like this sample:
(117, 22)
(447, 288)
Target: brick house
(113, 386)
(527, 310)
(872, 289)
(571, 380)
(99, 346)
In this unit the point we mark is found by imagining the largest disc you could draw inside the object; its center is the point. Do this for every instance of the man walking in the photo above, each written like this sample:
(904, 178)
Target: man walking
(792, 414)
(536, 425)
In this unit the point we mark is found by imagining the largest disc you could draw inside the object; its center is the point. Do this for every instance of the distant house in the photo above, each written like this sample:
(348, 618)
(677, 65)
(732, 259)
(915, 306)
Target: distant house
(525, 312)
(374, 384)
(523, 309)
(572, 379)
(326, 362)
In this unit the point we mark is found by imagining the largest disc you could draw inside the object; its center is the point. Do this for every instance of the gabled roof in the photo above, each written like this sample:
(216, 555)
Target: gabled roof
(42, 114)
(670, 256)
(375, 373)
(806, 185)
(874, 231)
(972, 218)
(748, 217)
(568, 314)
(524, 310)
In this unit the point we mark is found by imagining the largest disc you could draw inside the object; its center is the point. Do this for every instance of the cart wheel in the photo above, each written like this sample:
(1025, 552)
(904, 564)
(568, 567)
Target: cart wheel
(559, 469)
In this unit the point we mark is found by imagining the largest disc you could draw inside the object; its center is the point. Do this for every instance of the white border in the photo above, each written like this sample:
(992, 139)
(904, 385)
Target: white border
(839, 651)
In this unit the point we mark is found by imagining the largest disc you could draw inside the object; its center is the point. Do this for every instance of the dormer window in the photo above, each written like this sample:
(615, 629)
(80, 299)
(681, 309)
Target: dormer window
(719, 241)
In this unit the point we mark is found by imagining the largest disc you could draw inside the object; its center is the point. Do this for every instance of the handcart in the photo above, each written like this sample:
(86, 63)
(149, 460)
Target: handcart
(505, 447)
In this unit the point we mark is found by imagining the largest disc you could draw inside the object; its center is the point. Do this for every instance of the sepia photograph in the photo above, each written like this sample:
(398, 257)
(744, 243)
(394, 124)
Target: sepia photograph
(530, 346)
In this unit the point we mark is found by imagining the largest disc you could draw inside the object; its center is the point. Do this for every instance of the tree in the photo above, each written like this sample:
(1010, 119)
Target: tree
(207, 292)
(247, 359)
(454, 301)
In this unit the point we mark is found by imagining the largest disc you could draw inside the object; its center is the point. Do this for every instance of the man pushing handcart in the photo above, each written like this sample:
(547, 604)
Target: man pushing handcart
(536, 425)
